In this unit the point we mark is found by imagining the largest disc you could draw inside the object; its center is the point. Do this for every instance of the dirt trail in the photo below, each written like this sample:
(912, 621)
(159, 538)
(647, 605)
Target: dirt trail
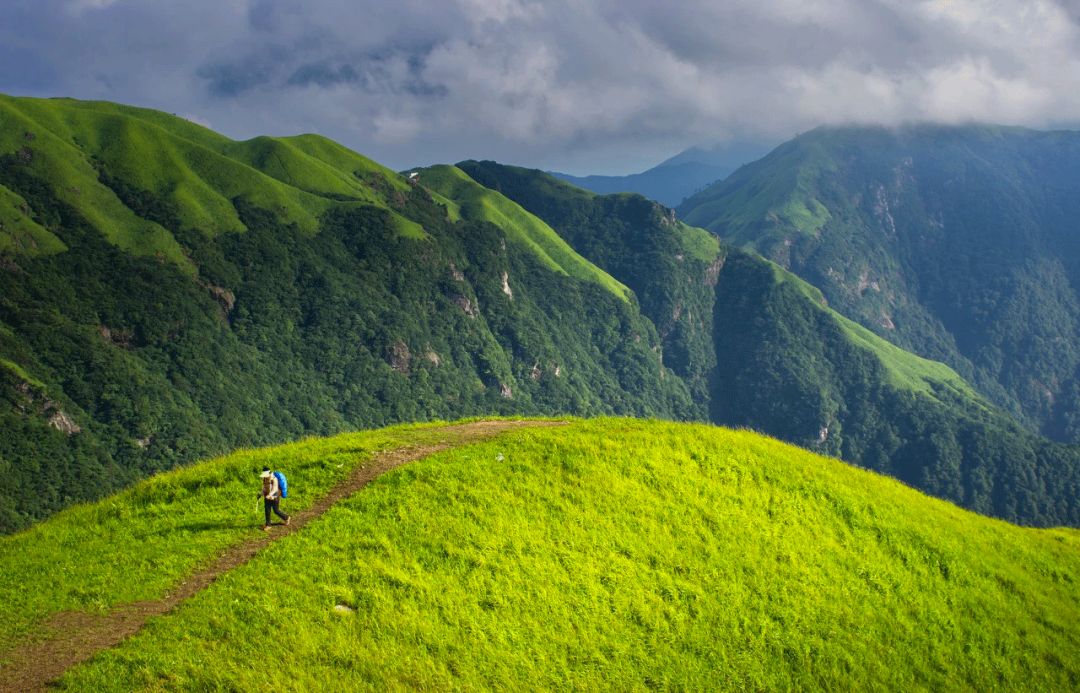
(74, 637)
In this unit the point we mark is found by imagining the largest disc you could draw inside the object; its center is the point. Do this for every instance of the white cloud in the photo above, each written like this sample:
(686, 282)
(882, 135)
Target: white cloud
(395, 128)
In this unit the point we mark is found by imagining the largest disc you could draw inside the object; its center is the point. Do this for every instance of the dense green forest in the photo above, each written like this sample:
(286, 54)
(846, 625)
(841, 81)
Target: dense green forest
(671, 267)
(957, 243)
(168, 294)
(117, 364)
(771, 356)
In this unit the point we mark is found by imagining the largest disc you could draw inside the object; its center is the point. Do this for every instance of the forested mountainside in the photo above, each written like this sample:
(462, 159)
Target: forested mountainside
(961, 244)
(167, 293)
(671, 267)
(770, 354)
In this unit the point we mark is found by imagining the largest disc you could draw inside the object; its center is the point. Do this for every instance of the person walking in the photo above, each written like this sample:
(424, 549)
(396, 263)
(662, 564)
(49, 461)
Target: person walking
(271, 495)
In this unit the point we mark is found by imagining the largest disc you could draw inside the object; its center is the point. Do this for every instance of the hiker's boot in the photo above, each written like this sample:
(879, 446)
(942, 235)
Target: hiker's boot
(288, 520)
(266, 528)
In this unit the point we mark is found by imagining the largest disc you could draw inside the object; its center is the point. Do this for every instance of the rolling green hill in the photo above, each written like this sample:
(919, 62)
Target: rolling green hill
(609, 554)
(957, 243)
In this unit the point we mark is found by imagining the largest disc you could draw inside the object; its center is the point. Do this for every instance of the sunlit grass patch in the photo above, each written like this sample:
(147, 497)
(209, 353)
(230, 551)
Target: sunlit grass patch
(139, 543)
(620, 554)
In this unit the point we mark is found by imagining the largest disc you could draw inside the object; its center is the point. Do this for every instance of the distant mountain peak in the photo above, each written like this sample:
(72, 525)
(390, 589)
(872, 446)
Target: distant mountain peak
(674, 179)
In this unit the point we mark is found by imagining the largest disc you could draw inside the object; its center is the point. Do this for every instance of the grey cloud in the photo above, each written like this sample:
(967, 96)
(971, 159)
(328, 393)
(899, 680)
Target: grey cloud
(598, 84)
(323, 75)
(375, 74)
(233, 80)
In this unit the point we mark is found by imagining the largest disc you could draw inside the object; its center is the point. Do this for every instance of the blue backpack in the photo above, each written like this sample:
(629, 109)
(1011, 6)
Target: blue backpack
(283, 484)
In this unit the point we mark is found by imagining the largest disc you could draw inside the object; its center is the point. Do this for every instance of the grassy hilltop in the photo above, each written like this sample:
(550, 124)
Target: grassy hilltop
(607, 554)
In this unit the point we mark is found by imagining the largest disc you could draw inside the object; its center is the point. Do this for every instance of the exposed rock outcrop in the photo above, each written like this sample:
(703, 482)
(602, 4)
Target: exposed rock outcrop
(116, 336)
(400, 357)
(62, 422)
(224, 297)
(465, 304)
(712, 272)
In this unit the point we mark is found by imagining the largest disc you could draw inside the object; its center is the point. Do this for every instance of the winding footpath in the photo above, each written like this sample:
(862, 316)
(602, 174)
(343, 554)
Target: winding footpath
(74, 637)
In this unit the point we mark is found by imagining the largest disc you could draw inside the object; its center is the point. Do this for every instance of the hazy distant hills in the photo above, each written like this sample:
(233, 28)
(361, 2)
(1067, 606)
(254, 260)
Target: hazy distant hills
(673, 180)
(168, 294)
(959, 243)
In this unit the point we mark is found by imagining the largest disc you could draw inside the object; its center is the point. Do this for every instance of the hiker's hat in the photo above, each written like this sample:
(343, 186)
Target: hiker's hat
(265, 472)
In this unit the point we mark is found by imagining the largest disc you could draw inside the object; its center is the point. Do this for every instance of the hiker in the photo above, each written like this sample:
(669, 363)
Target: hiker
(271, 495)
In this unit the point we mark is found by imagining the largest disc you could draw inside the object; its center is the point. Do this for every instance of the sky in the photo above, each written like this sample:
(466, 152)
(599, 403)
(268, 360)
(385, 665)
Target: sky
(581, 86)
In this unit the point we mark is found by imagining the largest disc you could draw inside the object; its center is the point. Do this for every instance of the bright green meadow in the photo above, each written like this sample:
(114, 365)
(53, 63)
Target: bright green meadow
(138, 543)
(611, 554)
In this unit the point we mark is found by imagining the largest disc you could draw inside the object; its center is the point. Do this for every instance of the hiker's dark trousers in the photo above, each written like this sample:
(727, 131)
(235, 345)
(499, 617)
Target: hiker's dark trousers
(269, 505)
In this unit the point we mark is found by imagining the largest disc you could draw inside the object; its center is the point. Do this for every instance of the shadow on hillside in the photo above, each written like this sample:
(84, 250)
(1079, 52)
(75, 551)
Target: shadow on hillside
(207, 526)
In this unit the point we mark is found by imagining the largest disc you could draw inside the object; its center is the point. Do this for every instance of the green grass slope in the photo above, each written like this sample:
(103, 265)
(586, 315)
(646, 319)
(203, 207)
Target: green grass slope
(138, 543)
(47, 139)
(19, 233)
(196, 170)
(906, 371)
(609, 554)
(789, 200)
(479, 203)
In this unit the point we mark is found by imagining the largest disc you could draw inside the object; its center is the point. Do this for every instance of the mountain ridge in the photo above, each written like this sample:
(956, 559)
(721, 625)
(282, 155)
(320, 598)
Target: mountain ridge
(388, 309)
(950, 241)
(676, 178)
(763, 349)
(497, 290)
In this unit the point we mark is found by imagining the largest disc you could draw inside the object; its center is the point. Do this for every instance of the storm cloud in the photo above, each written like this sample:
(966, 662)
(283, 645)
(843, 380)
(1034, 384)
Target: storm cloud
(582, 85)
